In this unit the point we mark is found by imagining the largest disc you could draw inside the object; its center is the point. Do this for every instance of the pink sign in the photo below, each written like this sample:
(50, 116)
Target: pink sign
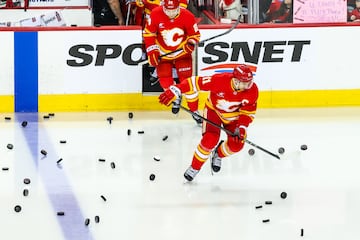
(320, 11)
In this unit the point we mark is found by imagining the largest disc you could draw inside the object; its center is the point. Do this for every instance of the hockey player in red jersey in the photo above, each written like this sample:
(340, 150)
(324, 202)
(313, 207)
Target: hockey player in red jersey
(232, 103)
(172, 30)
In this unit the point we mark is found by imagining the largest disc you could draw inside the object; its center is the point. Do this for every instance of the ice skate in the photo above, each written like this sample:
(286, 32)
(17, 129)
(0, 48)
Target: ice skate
(190, 173)
(176, 106)
(215, 159)
(197, 119)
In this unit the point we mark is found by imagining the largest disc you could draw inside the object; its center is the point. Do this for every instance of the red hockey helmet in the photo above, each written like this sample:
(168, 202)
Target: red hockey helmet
(243, 77)
(171, 8)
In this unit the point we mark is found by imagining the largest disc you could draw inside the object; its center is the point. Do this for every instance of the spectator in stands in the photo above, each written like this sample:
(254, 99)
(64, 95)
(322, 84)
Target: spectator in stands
(107, 12)
(355, 14)
(280, 12)
(231, 9)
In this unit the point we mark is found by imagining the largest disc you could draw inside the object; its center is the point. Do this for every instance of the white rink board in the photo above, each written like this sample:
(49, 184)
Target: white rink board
(328, 62)
(6, 63)
(56, 77)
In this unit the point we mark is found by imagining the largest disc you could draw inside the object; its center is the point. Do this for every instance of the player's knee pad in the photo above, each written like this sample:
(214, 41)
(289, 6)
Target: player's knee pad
(235, 146)
(209, 140)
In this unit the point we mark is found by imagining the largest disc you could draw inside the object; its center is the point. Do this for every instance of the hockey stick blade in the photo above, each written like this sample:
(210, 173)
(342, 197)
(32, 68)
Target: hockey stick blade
(201, 43)
(229, 132)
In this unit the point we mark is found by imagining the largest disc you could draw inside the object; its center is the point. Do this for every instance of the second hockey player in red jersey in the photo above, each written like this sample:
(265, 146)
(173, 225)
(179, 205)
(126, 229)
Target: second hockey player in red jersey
(232, 103)
(172, 30)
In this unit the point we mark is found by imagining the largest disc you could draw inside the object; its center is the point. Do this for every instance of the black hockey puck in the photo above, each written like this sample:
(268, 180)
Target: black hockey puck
(62, 141)
(157, 158)
(268, 202)
(266, 220)
(25, 192)
(7, 118)
(58, 161)
(251, 151)
(283, 195)
(303, 147)
(27, 181)
(128, 132)
(101, 160)
(103, 198)
(87, 221)
(17, 208)
(281, 150)
(97, 219)
(60, 213)
(152, 177)
(51, 114)
(131, 115)
(257, 207)
(5, 169)
(10, 146)
(24, 123)
(302, 232)
(140, 132)
(109, 119)
(165, 137)
(112, 164)
(46, 116)
(43, 152)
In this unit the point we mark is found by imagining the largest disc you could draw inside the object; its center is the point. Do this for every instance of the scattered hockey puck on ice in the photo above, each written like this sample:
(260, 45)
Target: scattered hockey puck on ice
(58, 161)
(103, 198)
(112, 164)
(7, 118)
(25, 192)
(109, 119)
(17, 208)
(266, 220)
(268, 202)
(24, 123)
(5, 169)
(302, 232)
(251, 151)
(43, 152)
(257, 207)
(140, 132)
(131, 115)
(101, 160)
(62, 141)
(97, 219)
(51, 114)
(152, 177)
(283, 195)
(303, 147)
(27, 181)
(157, 158)
(10, 146)
(60, 213)
(165, 137)
(46, 116)
(281, 150)
(87, 221)
(128, 132)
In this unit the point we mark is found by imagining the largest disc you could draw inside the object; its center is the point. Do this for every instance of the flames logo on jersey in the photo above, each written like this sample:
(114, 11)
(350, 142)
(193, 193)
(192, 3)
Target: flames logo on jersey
(173, 37)
(227, 106)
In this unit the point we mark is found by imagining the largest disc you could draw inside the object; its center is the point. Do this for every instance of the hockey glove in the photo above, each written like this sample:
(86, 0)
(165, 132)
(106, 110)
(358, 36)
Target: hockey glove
(239, 135)
(189, 46)
(153, 55)
(170, 95)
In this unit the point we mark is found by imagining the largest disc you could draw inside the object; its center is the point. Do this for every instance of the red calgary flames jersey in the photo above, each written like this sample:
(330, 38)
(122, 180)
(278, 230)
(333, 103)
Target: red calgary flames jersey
(170, 34)
(228, 103)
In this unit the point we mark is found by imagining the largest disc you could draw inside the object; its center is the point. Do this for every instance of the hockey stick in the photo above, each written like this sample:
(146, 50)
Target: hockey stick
(229, 132)
(201, 42)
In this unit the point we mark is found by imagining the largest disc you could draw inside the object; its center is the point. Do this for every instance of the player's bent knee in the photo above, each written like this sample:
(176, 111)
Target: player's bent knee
(209, 140)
